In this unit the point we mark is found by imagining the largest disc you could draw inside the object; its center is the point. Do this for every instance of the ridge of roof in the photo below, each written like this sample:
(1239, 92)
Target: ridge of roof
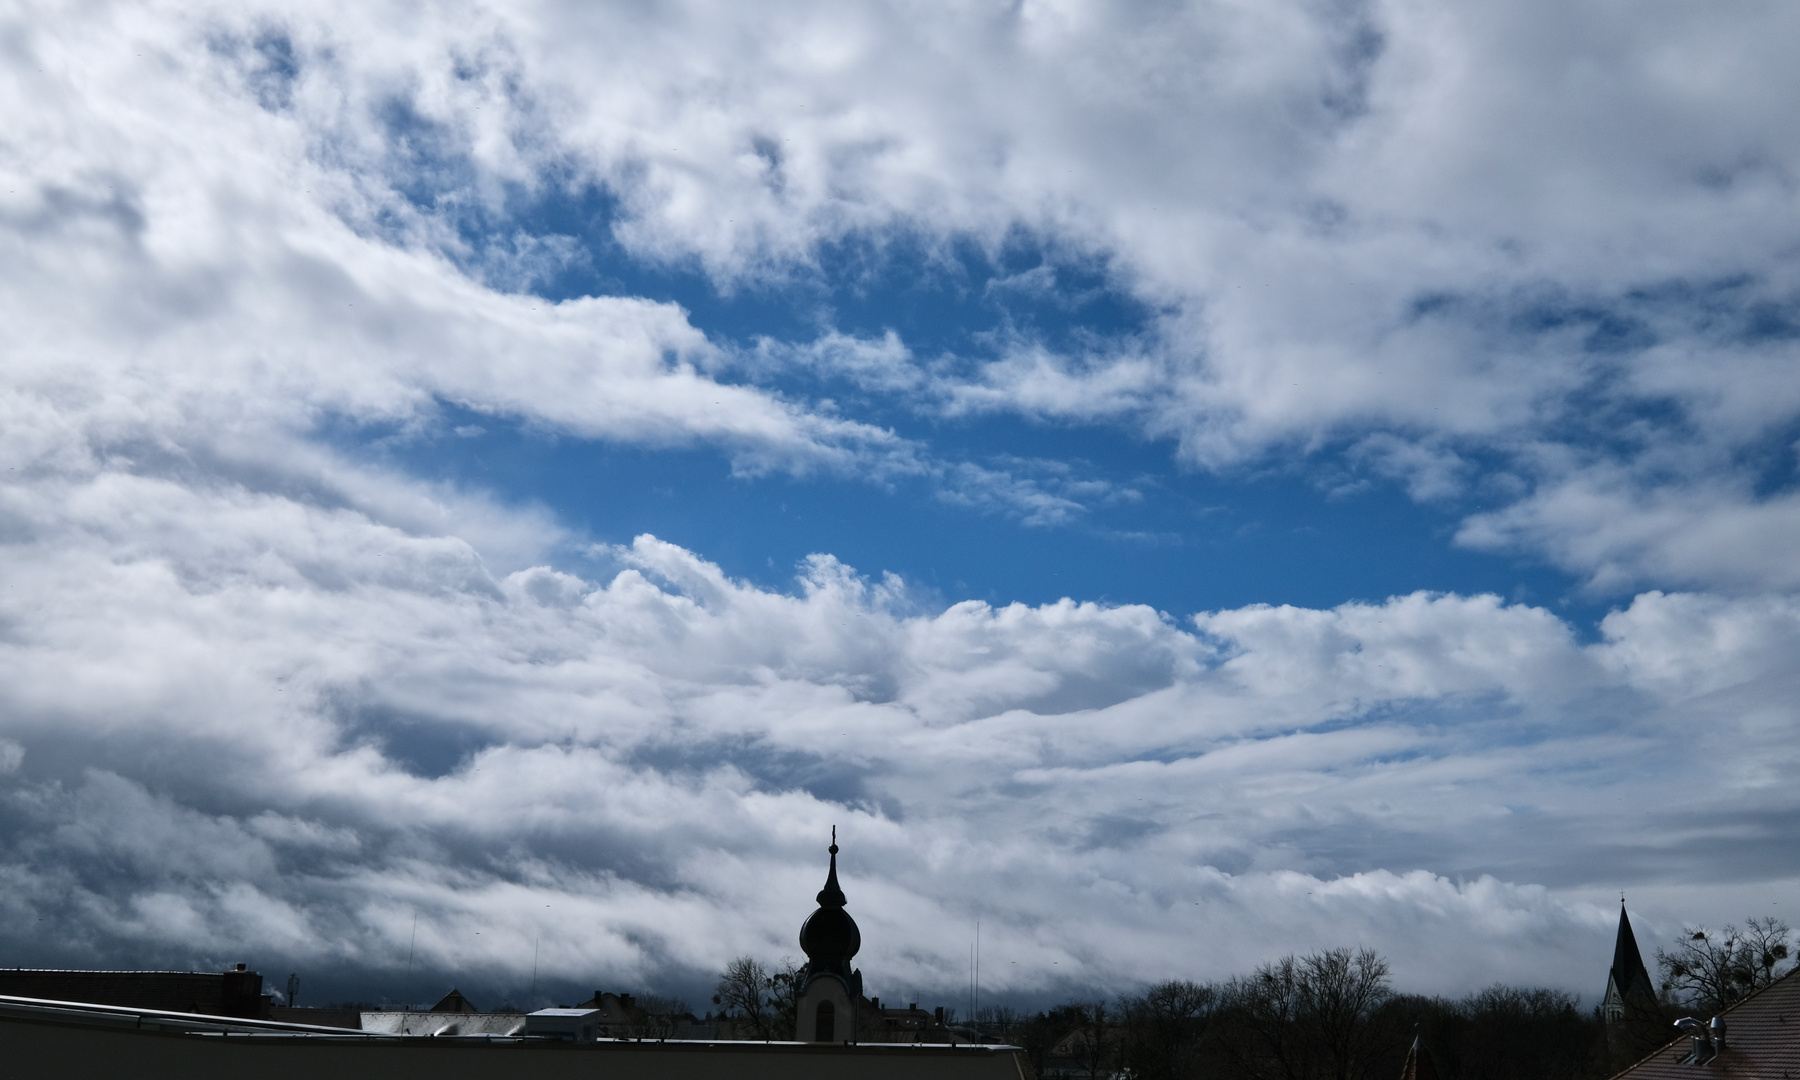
(1666, 1057)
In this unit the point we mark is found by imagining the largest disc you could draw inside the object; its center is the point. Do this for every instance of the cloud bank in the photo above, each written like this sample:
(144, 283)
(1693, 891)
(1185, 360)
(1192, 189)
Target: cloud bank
(293, 727)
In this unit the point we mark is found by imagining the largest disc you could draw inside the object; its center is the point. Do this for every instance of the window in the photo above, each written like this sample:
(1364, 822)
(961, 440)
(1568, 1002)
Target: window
(826, 1022)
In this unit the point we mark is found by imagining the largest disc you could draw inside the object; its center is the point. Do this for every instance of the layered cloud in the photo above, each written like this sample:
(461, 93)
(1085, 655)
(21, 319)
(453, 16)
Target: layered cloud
(250, 722)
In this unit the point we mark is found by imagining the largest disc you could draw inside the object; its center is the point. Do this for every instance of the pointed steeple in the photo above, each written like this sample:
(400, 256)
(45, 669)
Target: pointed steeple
(1628, 985)
(829, 937)
(1628, 972)
(831, 895)
(1418, 1063)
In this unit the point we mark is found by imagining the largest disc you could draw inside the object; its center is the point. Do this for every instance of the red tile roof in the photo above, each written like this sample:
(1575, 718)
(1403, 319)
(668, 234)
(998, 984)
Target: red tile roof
(1762, 1041)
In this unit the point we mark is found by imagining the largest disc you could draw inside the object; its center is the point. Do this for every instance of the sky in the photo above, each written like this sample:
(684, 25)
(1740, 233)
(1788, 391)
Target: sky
(1173, 484)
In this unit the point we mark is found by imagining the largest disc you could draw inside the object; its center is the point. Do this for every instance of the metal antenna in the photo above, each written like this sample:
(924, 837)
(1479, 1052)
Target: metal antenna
(409, 952)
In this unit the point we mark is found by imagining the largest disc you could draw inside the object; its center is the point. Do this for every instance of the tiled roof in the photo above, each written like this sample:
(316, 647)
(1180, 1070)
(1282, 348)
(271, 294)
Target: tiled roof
(1762, 1042)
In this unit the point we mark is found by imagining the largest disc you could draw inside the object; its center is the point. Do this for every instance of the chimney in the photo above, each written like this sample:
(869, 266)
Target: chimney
(940, 1016)
(1703, 1049)
(1718, 1034)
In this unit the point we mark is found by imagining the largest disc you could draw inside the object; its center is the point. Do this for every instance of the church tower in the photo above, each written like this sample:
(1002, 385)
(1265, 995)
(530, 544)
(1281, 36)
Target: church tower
(1628, 986)
(830, 989)
(1633, 1015)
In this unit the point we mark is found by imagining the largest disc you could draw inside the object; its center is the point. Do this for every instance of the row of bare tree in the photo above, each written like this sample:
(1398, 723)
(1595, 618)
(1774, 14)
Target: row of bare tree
(1334, 1015)
(1331, 1015)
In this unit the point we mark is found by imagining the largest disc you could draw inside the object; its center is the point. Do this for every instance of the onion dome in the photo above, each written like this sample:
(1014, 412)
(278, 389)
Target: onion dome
(830, 937)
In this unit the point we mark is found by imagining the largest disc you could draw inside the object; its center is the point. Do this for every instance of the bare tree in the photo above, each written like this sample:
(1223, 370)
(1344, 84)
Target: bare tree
(1040, 1035)
(1710, 971)
(1164, 1025)
(784, 998)
(1268, 1005)
(1343, 991)
(656, 1017)
(1312, 1017)
(1766, 941)
(1506, 1032)
(997, 1020)
(743, 994)
(1098, 1044)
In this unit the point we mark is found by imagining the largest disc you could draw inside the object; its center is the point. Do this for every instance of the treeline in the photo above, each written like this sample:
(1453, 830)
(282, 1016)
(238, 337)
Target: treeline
(1334, 1015)
(1326, 1016)
(1330, 1015)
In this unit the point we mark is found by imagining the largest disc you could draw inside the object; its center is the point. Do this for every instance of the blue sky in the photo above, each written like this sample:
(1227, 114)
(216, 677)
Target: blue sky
(1312, 529)
(1182, 483)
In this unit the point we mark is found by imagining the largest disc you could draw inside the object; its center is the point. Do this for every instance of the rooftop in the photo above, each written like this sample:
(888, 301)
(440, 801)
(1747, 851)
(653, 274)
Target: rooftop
(1762, 1042)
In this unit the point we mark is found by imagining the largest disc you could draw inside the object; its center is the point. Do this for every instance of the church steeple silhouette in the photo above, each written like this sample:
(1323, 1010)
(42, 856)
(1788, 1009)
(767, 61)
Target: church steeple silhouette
(1628, 982)
(830, 937)
(1418, 1064)
(830, 1004)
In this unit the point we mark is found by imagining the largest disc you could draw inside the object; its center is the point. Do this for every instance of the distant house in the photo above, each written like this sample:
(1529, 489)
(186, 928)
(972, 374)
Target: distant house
(623, 1017)
(908, 1024)
(454, 1014)
(1087, 1051)
(1756, 1039)
(454, 1002)
(234, 992)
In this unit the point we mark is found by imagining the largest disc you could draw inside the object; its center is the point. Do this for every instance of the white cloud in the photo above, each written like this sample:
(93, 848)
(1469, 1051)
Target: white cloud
(1606, 523)
(1380, 226)
(251, 723)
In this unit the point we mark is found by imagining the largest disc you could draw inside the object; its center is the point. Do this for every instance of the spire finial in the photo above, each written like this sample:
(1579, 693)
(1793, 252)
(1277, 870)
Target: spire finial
(831, 895)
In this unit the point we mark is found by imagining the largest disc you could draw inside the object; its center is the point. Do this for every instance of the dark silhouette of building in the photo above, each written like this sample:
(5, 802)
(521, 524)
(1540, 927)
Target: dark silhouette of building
(349, 1019)
(1628, 981)
(1631, 1009)
(828, 1008)
(1418, 1063)
(906, 1024)
(234, 992)
(454, 1002)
